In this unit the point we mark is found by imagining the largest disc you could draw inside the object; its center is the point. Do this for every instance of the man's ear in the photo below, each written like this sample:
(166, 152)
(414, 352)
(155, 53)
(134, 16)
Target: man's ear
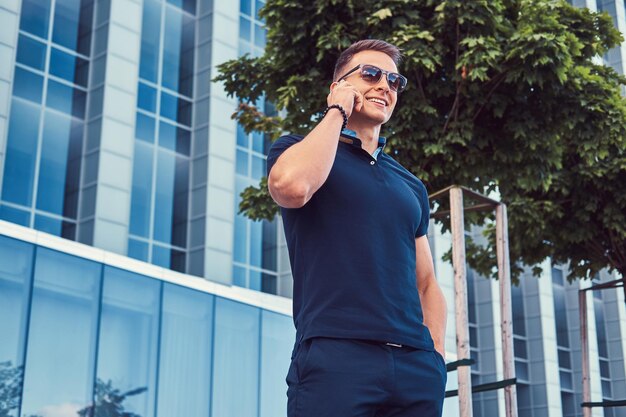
(332, 86)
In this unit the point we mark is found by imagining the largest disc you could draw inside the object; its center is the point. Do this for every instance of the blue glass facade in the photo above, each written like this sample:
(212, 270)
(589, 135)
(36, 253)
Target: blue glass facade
(75, 331)
(44, 143)
(160, 183)
(256, 243)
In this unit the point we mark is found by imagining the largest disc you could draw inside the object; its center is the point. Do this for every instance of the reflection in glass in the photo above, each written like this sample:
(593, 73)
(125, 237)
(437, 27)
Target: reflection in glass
(34, 17)
(15, 272)
(127, 351)
(259, 35)
(66, 99)
(31, 52)
(277, 339)
(19, 166)
(178, 45)
(239, 276)
(150, 34)
(176, 109)
(187, 5)
(255, 280)
(142, 190)
(185, 368)
(69, 67)
(59, 171)
(269, 245)
(59, 374)
(170, 206)
(144, 129)
(237, 370)
(72, 24)
(174, 138)
(246, 7)
(27, 85)
(13, 215)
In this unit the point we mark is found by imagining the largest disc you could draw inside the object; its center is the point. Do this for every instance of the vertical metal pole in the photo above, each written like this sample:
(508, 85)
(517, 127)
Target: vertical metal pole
(584, 342)
(460, 300)
(504, 276)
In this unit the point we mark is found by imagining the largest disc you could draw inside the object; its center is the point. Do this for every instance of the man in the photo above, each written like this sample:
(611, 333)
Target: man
(369, 314)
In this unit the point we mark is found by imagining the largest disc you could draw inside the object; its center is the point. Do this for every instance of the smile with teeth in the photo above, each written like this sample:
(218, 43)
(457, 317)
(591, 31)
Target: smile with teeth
(377, 101)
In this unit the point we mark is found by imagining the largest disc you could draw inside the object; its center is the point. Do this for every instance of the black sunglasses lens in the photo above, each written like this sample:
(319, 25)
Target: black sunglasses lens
(396, 81)
(371, 74)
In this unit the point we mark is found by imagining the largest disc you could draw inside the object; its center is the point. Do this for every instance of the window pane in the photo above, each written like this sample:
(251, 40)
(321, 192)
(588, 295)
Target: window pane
(255, 280)
(72, 24)
(277, 341)
(270, 245)
(240, 239)
(178, 47)
(242, 137)
(170, 210)
(35, 16)
(145, 128)
(258, 167)
(259, 36)
(31, 52)
(16, 259)
(55, 226)
(59, 171)
(147, 98)
(167, 136)
(258, 4)
(61, 337)
(244, 28)
(69, 67)
(239, 276)
(176, 109)
(66, 99)
(560, 316)
(242, 163)
(127, 352)
(246, 7)
(185, 362)
(19, 168)
(269, 283)
(14, 215)
(150, 34)
(521, 370)
(236, 373)
(566, 379)
(520, 348)
(27, 85)
(256, 243)
(564, 359)
(142, 190)
(138, 250)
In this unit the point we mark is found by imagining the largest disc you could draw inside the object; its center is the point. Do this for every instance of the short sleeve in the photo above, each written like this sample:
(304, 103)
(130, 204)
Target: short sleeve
(278, 147)
(422, 229)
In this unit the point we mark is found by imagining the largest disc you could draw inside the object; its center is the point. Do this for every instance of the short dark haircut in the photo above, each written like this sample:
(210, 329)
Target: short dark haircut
(366, 45)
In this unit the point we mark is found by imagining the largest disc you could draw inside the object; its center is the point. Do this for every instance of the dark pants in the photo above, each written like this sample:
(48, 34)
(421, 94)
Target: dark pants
(356, 378)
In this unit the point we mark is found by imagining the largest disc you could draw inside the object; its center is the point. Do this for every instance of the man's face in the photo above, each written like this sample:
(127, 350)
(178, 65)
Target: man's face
(372, 110)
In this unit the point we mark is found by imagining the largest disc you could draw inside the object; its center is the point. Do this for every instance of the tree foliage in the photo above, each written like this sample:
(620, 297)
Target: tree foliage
(504, 96)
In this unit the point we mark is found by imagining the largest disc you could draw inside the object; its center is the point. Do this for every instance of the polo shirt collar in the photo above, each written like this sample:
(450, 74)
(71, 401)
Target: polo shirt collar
(349, 136)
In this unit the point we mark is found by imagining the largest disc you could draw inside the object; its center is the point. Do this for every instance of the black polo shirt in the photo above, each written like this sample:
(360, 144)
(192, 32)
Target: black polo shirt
(352, 249)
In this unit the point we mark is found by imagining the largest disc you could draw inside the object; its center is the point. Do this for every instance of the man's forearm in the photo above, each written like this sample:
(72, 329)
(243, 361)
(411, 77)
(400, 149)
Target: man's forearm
(435, 315)
(303, 168)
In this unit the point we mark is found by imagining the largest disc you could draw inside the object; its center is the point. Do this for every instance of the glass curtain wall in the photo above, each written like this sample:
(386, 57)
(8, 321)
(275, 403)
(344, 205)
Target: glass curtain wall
(603, 352)
(45, 136)
(160, 185)
(568, 402)
(520, 340)
(80, 338)
(255, 252)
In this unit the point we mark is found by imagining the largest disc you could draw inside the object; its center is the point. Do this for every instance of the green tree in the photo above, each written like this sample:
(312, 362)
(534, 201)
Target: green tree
(10, 388)
(504, 95)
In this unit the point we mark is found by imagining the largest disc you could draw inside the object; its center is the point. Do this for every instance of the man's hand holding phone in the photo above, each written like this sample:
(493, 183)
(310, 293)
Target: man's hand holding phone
(347, 96)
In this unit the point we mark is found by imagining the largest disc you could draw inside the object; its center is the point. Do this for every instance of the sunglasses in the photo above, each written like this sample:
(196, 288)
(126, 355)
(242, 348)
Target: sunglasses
(372, 74)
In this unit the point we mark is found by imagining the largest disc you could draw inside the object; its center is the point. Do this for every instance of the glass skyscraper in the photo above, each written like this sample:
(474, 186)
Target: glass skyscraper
(127, 276)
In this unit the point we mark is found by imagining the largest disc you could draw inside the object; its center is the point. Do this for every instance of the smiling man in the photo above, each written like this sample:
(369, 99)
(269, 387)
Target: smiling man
(369, 315)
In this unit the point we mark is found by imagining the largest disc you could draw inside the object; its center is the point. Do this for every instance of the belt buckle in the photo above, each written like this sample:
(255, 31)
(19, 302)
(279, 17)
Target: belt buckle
(393, 344)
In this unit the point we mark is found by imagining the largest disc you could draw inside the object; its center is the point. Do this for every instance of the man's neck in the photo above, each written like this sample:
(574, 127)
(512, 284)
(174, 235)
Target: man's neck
(368, 136)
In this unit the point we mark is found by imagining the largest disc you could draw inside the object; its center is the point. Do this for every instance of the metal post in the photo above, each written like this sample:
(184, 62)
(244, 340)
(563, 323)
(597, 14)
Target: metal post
(504, 276)
(460, 299)
(584, 342)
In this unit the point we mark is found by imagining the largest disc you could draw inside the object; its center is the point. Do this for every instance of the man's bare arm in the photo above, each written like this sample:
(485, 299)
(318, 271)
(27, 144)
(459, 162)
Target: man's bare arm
(303, 168)
(431, 296)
